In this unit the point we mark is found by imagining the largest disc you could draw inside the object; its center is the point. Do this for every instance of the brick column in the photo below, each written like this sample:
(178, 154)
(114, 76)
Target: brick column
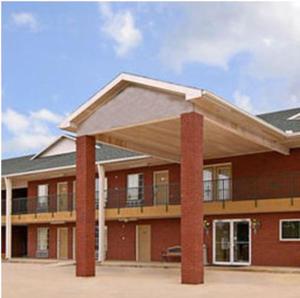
(85, 206)
(192, 198)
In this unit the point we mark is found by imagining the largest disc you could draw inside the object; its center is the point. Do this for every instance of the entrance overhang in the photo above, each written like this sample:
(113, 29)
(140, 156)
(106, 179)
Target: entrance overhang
(143, 115)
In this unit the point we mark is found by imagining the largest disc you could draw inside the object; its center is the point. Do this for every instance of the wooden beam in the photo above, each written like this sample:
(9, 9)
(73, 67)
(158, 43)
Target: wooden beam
(243, 132)
(151, 150)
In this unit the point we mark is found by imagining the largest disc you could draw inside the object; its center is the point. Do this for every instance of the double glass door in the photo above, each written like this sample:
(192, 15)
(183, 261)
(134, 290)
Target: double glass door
(232, 242)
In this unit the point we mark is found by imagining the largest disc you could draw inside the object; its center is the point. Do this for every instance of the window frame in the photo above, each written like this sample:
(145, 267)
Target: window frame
(138, 188)
(38, 239)
(280, 229)
(215, 188)
(42, 205)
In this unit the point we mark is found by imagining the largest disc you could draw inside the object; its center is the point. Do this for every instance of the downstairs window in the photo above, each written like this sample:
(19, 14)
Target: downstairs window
(290, 229)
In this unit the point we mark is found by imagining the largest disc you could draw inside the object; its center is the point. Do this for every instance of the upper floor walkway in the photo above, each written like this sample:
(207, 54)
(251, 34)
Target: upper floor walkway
(272, 193)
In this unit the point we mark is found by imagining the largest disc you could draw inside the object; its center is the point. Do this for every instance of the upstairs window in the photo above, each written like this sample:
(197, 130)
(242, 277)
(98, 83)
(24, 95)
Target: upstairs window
(42, 200)
(217, 182)
(135, 188)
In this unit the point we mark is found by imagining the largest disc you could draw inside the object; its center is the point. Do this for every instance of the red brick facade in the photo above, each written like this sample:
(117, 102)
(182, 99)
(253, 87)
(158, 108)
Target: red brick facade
(85, 206)
(244, 167)
(191, 198)
(122, 238)
(267, 249)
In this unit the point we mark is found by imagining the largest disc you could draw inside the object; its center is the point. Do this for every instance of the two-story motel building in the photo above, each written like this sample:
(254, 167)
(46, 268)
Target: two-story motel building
(155, 165)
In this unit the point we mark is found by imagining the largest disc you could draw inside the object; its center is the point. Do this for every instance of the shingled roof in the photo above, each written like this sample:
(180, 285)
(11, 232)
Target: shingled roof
(26, 164)
(23, 164)
(280, 119)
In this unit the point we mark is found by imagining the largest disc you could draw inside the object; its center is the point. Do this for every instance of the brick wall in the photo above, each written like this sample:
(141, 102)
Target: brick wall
(268, 170)
(118, 180)
(122, 236)
(32, 239)
(264, 175)
(267, 250)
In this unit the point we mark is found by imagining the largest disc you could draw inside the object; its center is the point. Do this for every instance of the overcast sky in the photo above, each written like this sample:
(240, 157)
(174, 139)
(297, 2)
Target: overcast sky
(55, 55)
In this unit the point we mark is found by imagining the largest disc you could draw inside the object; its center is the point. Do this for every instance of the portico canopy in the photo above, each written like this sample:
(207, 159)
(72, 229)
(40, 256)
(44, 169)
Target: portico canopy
(143, 115)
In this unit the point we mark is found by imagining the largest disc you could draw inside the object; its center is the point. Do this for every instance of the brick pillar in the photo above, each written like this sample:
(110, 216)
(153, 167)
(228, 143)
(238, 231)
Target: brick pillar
(85, 206)
(192, 198)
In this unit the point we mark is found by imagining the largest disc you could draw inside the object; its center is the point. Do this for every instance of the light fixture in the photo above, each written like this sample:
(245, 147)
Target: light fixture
(256, 224)
(206, 226)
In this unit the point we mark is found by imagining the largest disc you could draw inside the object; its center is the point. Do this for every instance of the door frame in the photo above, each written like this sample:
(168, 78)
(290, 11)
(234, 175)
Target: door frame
(161, 171)
(137, 242)
(74, 243)
(58, 242)
(58, 195)
(231, 224)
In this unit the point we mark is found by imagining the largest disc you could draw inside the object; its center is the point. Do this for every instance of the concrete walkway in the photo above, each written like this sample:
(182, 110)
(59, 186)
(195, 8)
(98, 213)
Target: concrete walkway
(165, 265)
(28, 280)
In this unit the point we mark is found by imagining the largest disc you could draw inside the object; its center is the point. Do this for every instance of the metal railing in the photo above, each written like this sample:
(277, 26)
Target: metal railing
(148, 195)
(249, 188)
(43, 204)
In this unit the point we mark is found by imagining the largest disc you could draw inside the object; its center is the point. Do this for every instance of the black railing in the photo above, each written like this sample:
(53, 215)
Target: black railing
(148, 195)
(250, 188)
(43, 204)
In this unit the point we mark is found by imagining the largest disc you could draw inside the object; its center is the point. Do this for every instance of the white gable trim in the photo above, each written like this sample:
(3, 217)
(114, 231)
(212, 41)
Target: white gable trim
(52, 144)
(295, 117)
(188, 92)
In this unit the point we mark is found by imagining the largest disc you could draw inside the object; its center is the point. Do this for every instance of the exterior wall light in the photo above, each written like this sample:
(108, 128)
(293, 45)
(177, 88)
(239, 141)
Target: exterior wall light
(206, 225)
(256, 224)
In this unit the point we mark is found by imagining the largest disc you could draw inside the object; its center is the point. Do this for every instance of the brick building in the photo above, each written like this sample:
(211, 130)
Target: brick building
(156, 166)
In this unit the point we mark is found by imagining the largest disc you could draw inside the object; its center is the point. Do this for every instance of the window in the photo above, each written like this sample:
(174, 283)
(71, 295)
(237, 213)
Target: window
(135, 188)
(42, 239)
(208, 184)
(217, 182)
(42, 200)
(223, 177)
(289, 229)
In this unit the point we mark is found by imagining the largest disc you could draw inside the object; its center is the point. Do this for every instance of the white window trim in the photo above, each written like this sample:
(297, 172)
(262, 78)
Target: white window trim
(280, 229)
(215, 167)
(127, 187)
(38, 238)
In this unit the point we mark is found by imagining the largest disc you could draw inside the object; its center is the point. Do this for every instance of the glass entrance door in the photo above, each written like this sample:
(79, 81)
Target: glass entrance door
(231, 242)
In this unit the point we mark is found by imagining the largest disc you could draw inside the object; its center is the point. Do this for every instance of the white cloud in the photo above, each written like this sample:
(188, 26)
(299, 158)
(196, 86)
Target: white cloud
(47, 115)
(14, 121)
(243, 101)
(26, 20)
(28, 132)
(121, 28)
(214, 33)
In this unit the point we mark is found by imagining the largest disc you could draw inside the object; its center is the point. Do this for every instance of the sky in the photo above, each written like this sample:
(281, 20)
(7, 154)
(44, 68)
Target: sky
(56, 55)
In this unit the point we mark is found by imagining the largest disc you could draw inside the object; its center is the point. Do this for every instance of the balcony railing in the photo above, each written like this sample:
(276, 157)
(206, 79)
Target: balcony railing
(250, 188)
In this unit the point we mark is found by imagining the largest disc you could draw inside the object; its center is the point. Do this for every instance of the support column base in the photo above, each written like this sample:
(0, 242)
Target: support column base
(192, 277)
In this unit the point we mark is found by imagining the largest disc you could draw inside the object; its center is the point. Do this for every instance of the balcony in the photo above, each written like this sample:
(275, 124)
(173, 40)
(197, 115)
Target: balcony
(218, 195)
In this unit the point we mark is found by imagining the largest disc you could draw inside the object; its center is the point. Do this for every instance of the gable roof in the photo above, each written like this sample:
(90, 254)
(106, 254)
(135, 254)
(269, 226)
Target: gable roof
(54, 149)
(189, 94)
(27, 164)
(283, 120)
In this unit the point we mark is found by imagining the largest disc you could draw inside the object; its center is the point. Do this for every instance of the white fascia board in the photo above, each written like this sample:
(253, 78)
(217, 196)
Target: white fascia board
(295, 117)
(223, 102)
